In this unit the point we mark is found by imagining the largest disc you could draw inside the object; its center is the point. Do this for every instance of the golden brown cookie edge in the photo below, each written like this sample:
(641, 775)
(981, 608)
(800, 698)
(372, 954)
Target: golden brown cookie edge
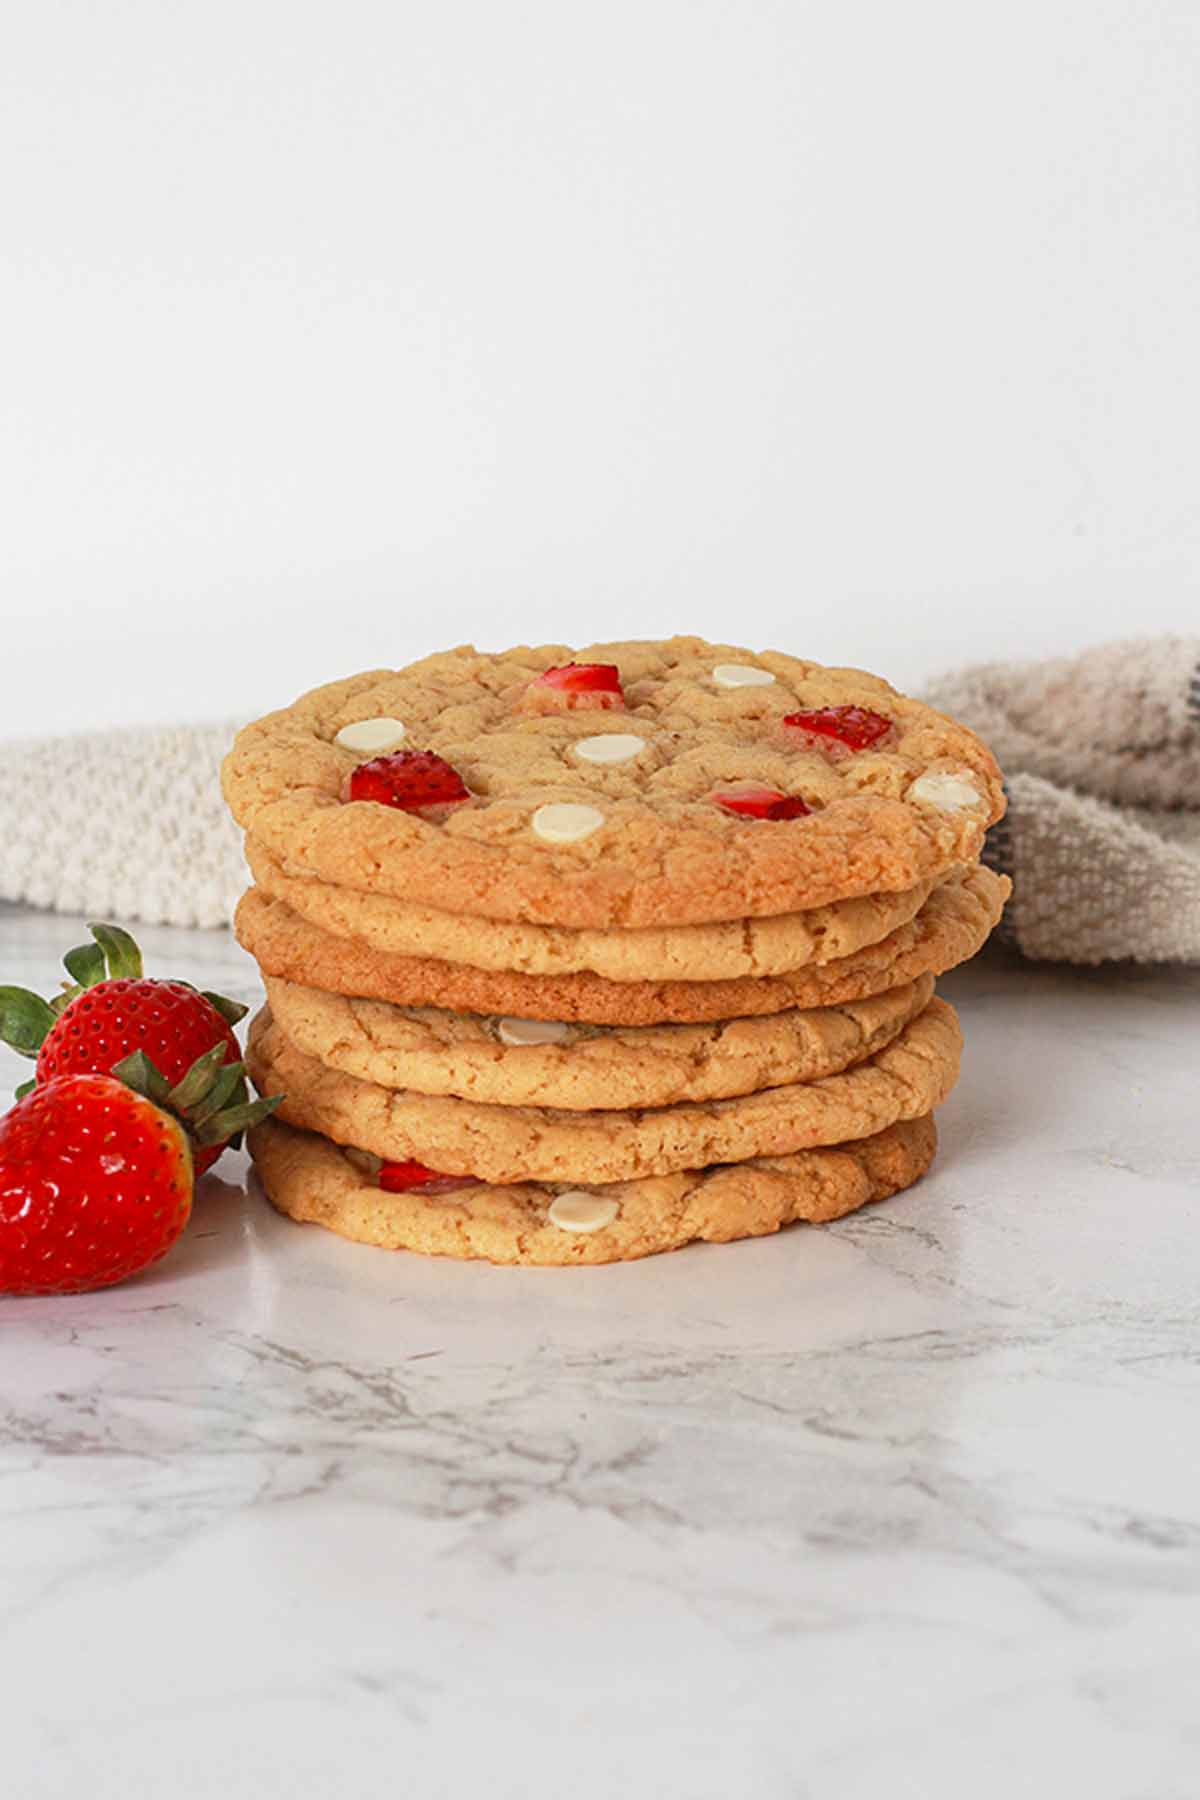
(951, 927)
(309, 1180)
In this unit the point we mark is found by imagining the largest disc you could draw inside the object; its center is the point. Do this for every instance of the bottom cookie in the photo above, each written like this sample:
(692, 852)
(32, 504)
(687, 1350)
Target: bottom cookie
(313, 1180)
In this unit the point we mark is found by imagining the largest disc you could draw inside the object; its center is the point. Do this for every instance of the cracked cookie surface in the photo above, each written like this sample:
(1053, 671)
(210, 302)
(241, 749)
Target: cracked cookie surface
(312, 1180)
(586, 1067)
(950, 928)
(549, 836)
(719, 951)
(908, 1077)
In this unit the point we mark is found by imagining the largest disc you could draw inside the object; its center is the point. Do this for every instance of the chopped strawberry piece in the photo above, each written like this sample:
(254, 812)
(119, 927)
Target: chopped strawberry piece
(760, 802)
(851, 727)
(575, 687)
(582, 678)
(415, 1178)
(410, 780)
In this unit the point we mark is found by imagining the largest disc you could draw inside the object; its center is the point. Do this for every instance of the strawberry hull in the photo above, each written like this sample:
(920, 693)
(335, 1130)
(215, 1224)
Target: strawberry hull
(110, 1014)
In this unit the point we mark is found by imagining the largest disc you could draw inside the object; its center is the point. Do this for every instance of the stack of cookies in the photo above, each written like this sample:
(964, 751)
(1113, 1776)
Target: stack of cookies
(577, 956)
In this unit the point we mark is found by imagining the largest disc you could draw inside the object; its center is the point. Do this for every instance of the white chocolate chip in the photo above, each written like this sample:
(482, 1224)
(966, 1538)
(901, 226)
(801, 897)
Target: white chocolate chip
(952, 793)
(741, 675)
(577, 1211)
(563, 823)
(610, 747)
(372, 737)
(531, 1031)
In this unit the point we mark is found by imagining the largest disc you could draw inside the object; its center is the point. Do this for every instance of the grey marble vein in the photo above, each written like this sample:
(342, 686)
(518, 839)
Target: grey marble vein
(907, 1506)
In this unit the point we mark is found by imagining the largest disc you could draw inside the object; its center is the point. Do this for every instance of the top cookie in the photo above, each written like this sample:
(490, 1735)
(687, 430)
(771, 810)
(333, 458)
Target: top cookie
(698, 782)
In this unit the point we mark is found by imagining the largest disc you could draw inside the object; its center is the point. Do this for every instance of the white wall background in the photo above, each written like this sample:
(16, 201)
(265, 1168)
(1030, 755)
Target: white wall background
(334, 333)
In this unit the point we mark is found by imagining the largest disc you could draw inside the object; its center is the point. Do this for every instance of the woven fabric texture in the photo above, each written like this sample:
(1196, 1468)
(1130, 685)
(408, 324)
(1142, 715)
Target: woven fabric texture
(1102, 758)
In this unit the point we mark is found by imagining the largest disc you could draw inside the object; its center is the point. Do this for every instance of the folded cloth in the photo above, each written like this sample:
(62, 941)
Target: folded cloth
(122, 825)
(1102, 837)
(1101, 755)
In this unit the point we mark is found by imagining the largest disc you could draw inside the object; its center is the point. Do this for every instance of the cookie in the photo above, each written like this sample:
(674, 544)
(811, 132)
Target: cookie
(312, 1180)
(585, 1068)
(762, 784)
(951, 926)
(719, 951)
(501, 1144)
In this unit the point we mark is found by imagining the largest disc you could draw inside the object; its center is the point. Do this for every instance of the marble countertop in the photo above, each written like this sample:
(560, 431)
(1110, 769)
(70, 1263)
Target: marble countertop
(905, 1506)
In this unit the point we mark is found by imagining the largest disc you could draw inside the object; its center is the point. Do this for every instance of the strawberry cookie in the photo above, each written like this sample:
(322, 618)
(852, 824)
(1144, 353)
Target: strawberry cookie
(617, 787)
(721, 951)
(910, 1075)
(577, 955)
(585, 1068)
(951, 927)
(406, 1207)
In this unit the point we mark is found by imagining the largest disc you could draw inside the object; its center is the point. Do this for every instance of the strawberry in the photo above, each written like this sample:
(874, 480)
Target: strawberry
(412, 780)
(759, 802)
(109, 1010)
(95, 1184)
(414, 1177)
(575, 687)
(839, 730)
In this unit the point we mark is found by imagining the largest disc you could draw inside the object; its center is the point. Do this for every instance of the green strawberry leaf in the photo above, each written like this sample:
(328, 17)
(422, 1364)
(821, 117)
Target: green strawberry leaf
(26, 1088)
(229, 1088)
(121, 953)
(198, 1082)
(25, 1019)
(140, 1074)
(85, 964)
(234, 1120)
(232, 1011)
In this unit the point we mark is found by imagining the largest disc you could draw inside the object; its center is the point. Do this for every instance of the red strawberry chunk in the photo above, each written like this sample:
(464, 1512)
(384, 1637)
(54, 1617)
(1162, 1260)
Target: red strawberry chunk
(849, 727)
(582, 678)
(411, 780)
(575, 687)
(760, 802)
(415, 1178)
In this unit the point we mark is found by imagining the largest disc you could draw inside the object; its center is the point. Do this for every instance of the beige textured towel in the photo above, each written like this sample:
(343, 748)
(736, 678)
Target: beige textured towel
(1102, 838)
(122, 825)
(1102, 759)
